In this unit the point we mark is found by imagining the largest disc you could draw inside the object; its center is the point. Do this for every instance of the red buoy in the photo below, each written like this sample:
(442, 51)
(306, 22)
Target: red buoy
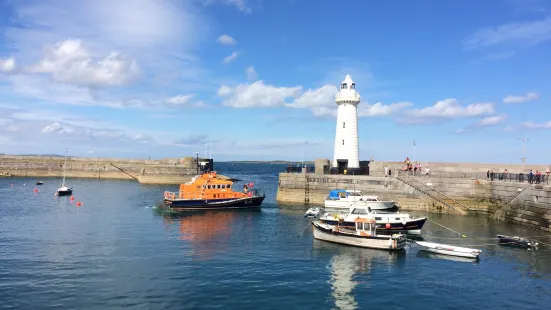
(79, 203)
(72, 198)
(387, 225)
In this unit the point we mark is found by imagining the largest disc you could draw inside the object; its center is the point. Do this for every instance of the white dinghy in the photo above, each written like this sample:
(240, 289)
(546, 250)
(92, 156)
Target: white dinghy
(312, 212)
(446, 249)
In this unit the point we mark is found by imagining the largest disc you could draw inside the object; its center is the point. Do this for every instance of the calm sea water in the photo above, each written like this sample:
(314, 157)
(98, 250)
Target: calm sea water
(117, 251)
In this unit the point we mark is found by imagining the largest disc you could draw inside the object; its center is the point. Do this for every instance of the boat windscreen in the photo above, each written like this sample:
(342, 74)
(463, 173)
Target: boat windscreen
(337, 193)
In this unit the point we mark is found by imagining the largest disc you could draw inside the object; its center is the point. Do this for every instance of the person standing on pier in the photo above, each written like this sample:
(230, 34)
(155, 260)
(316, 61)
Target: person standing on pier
(386, 171)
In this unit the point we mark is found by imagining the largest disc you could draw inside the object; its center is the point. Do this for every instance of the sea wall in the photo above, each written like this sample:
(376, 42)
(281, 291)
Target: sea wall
(166, 171)
(485, 197)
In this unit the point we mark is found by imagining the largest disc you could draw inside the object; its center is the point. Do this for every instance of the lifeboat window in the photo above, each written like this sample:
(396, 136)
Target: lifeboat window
(198, 186)
(397, 218)
(378, 218)
(218, 186)
(208, 186)
(203, 185)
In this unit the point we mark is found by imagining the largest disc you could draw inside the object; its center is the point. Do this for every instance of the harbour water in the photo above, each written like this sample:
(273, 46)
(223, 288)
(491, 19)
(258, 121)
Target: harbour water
(117, 251)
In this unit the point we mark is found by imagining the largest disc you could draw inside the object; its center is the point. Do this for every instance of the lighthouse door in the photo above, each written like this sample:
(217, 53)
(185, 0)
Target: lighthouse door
(342, 164)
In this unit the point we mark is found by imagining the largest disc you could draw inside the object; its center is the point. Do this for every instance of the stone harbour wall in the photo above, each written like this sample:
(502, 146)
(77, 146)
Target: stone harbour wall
(488, 198)
(150, 171)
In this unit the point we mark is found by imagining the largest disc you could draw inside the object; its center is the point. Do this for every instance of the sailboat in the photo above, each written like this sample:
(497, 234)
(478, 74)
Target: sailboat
(64, 190)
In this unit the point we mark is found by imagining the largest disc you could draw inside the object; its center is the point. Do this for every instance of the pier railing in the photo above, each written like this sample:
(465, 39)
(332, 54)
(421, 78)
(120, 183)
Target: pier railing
(506, 177)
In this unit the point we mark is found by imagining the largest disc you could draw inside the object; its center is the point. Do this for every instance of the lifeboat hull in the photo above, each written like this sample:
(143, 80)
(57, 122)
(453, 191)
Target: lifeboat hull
(215, 204)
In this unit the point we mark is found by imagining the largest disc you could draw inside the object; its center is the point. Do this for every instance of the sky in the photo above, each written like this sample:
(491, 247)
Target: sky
(256, 79)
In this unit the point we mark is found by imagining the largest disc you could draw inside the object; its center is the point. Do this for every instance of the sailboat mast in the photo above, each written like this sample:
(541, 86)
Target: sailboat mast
(64, 165)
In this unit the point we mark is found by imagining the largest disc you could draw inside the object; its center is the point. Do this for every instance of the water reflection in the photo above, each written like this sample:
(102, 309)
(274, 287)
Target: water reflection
(348, 262)
(205, 232)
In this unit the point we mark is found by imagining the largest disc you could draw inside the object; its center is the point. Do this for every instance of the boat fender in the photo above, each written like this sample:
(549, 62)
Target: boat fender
(404, 223)
(387, 225)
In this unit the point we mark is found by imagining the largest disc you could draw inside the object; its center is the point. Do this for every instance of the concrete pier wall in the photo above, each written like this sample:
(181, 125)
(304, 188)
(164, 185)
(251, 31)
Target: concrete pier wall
(532, 208)
(167, 171)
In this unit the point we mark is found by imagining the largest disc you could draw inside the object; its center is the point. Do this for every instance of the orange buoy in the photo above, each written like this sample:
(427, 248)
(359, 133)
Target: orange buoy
(35, 190)
(79, 203)
(72, 198)
(387, 225)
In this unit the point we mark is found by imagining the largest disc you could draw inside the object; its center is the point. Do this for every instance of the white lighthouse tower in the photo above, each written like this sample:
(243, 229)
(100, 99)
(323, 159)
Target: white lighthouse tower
(346, 137)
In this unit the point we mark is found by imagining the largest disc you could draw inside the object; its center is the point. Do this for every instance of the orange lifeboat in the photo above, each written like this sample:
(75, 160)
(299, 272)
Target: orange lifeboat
(208, 192)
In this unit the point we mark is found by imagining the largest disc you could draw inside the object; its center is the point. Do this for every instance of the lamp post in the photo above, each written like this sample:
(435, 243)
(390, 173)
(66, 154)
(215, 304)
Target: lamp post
(523, 159)
(414, 157)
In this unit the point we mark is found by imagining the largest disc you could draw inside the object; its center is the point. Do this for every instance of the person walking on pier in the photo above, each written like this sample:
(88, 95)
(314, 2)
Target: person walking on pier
(530, 177)
(386, 171)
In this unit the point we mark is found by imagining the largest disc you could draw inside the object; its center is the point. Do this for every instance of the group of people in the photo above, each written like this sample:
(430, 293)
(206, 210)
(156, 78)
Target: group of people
(533, 177)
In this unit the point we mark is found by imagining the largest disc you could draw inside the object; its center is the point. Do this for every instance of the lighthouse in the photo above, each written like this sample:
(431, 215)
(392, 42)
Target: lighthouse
(346, 135)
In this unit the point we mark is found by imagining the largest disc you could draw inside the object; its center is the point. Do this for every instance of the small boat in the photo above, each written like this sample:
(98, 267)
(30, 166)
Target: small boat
(363, 235)
(446, 249)
(39, 182)
(516, 241)
(207, 192)
(341, 200)
(387, 222)
(64, 190)
(312, 212)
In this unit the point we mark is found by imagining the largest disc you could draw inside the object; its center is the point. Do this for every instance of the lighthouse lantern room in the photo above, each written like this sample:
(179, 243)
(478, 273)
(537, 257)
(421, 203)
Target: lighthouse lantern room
(346, 135)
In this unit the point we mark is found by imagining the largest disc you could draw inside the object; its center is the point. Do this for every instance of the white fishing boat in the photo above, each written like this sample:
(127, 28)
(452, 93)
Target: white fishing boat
(446, 249)
(363, 235)
(390, 222)
(341, 200)
(64, 190)
(312, 212)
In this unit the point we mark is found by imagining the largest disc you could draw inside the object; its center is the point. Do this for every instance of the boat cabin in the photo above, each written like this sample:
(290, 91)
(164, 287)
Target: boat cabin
(365, 226)
(208, 186)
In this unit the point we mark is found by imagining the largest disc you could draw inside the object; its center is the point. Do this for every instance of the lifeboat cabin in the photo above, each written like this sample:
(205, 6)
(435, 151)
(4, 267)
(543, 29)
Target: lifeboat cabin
(208, 192)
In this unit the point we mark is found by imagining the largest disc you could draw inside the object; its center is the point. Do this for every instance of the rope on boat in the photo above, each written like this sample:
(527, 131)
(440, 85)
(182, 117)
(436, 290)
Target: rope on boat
(460, 234)
(309, 222)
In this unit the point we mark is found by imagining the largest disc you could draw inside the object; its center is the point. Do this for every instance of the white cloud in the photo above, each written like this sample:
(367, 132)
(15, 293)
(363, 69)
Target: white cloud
(491, 120)
(226, 40)
(233, 56)
(533, 125)
(257, 94)
(7, 65)
(380, 109)
(522, 33)
(57, 129)
(241, 5)
(70, 62)
(315, 98)
(520, 99)
(251, 73)
(450, 108)
(180, 99)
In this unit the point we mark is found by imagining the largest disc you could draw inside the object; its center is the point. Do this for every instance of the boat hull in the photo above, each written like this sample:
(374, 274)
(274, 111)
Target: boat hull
(411, 227)
(65, 192)
(515, 241)
(377, 242)
(215, 204)
(448, 250)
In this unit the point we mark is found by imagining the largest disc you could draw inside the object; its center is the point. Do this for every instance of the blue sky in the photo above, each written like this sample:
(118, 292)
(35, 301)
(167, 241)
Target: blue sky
(143, 78)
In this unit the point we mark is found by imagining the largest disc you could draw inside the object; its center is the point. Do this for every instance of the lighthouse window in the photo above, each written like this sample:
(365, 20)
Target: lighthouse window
(343, 124)
(353, 86)
(342, 141)
(343, 86)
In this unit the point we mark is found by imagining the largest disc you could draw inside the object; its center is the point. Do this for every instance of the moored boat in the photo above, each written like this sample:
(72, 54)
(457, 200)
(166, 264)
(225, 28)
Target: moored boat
(39, 182)
(446, 249)
(312, 212)
(363, 235)
(516, 241)
(64, 190)
(387, 222)
(208, 192)
(341, 200)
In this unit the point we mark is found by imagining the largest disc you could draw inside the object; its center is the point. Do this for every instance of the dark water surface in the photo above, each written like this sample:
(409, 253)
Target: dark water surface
(117, 251)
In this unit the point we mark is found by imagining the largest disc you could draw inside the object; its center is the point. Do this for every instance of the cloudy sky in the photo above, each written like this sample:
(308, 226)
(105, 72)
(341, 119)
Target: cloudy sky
(139, 78)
